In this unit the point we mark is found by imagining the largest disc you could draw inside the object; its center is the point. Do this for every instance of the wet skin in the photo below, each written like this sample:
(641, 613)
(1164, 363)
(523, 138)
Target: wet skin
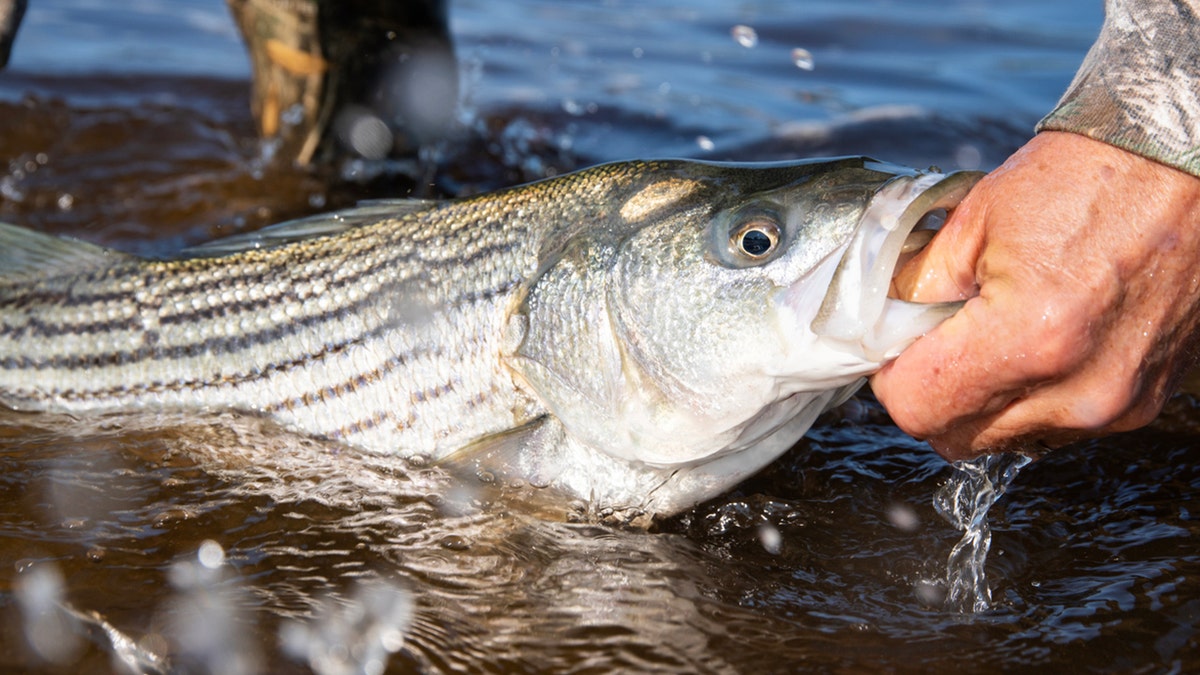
(1082, 265)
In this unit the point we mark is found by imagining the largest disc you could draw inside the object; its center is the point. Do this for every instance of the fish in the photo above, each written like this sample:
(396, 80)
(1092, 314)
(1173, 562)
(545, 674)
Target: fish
(640, 335)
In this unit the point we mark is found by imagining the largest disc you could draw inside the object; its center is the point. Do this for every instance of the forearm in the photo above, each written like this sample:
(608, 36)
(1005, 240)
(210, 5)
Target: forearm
(1139, 87)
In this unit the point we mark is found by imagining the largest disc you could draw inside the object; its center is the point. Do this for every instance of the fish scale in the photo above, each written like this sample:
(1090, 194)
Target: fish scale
(303, 332)
(599, 332)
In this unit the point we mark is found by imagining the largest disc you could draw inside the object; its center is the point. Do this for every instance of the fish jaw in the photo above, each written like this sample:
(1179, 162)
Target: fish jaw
(854, 325)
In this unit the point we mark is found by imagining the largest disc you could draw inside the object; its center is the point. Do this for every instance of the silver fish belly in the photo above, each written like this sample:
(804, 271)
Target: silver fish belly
(535, 330)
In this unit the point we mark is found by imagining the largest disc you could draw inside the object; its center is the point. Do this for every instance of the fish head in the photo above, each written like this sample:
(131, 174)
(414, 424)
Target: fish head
(717, 306)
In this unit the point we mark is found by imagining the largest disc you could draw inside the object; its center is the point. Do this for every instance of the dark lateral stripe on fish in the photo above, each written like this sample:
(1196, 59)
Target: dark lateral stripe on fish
(309, 399)
(207, 283)
(221, 309)
(351, 384)
(35, 327)
(374, 420)
(222, 344)
(363, 426)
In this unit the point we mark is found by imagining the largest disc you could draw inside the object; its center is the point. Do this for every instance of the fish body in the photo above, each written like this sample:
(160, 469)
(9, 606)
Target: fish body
(642, 335)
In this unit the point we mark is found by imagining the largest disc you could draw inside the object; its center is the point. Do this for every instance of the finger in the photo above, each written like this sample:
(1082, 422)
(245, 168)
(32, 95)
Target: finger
(945, 269)
(1057, 414)
(981, 359)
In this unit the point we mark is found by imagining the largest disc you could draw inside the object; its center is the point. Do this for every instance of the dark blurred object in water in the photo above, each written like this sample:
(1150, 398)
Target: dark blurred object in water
(368, 78)
(372, 78)
(11, 12)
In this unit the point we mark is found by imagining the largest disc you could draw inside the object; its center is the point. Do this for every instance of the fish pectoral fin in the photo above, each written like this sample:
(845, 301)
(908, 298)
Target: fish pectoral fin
(529, 453)
(310, 227)
(25, 252)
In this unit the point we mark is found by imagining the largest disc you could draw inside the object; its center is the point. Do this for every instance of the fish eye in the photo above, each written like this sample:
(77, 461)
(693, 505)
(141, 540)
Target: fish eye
(755, 238)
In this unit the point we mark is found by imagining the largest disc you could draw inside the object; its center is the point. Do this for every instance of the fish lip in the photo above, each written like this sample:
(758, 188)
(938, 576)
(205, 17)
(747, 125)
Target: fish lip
(856, 311)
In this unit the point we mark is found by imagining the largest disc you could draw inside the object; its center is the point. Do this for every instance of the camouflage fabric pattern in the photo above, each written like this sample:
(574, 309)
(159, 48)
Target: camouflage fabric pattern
(1139, 87)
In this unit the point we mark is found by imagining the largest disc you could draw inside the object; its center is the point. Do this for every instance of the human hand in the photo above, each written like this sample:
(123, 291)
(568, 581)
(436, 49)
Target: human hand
(1082, 265)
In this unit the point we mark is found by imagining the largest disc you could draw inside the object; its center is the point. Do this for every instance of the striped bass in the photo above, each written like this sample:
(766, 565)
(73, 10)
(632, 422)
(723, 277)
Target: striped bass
(642, 335)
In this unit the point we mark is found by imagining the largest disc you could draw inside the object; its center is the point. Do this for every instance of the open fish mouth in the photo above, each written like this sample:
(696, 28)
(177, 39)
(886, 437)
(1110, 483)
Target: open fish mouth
(897, 223)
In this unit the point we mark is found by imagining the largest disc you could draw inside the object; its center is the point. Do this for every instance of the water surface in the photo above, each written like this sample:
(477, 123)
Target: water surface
(226, 544)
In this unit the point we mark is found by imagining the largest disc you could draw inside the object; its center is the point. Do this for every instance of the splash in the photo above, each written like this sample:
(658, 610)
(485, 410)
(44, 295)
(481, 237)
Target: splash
(964, 501)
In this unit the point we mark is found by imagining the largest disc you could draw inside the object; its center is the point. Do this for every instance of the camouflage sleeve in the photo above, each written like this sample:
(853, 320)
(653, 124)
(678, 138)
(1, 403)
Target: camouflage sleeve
(1139, 87)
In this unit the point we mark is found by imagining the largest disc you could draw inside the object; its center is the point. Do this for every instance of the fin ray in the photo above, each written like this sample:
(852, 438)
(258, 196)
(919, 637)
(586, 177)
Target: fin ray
(26, 252)
(309, 227)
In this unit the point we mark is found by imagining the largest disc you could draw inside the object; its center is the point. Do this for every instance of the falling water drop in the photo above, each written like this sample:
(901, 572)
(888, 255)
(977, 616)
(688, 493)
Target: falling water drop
(802, 58)
(744, 35)
(964, 501)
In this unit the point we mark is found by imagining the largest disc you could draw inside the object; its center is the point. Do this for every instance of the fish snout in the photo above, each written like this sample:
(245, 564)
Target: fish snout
(899, 221)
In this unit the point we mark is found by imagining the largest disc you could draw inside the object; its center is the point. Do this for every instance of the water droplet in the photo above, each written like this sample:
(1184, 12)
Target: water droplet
(802, 58)
(968, 157)
(706, 144)
(929, 593)
(211, 554)
(572, 107)
(770, 538)
(903, 517)
(65, 201)
(744, 35)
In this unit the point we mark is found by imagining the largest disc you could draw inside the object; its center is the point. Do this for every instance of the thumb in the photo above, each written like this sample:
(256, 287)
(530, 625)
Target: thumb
(945, 269)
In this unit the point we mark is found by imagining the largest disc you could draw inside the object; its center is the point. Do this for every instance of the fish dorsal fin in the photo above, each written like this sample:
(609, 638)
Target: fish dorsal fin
(25, 252)
(309, 227)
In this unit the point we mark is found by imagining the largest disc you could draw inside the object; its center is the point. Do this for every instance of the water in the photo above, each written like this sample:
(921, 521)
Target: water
(964, 501)
(128, 124)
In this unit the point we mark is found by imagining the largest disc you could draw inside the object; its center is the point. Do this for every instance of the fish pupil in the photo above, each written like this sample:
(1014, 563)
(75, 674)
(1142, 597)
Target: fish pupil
(756, 242)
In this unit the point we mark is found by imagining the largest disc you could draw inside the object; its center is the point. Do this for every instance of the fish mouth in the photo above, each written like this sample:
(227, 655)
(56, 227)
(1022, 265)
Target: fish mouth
(897, 223)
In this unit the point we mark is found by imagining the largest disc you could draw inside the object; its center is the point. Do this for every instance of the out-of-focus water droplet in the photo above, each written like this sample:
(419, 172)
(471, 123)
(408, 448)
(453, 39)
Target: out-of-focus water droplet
(802, 58)
(930, 593)
(364, 133)
(211, 555)
(50, 630)
(968, 157)
(706, 144)
(770, 538)
(356, 636)
(744, 35)
(572, 107)
(903, 517)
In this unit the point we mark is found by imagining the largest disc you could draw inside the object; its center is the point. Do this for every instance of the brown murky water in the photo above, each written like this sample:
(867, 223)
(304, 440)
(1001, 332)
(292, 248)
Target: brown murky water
(217, 543)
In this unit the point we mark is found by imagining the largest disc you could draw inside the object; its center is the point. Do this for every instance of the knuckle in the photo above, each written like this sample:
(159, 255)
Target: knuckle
(1060, 344)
